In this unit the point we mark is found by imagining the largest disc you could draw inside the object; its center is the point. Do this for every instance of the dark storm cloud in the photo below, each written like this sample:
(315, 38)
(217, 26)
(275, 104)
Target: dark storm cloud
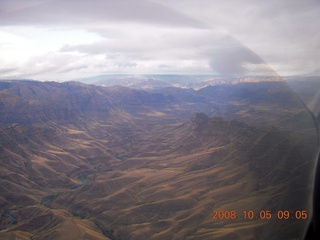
(86, 12)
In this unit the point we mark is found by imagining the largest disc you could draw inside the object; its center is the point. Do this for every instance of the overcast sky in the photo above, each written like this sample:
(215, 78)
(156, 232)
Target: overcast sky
(67, 39)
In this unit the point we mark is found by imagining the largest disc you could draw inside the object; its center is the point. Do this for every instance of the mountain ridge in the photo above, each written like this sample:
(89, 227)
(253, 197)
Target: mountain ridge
(128, 164)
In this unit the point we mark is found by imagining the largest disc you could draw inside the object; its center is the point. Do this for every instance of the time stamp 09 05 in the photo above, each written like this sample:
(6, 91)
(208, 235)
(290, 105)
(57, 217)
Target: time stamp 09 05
(263, 214)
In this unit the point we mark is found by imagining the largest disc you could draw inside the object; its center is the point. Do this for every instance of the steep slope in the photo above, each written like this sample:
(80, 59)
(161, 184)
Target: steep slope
(265, 103)
(113, 163)
(36, 102)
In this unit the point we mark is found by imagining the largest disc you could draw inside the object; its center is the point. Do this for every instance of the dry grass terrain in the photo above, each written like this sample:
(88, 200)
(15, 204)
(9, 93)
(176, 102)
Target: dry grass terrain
(138, 168)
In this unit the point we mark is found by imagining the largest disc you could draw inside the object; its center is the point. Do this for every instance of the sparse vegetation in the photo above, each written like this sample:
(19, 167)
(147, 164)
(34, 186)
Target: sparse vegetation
(150, 171)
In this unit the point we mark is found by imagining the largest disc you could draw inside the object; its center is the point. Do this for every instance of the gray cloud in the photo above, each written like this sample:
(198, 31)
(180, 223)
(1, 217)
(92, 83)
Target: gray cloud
(140, 45)
(126, 64)
(283, 33)
(86, 12)
(224, 54)
(73, 68)
(153, 33)
(4, 71)
(231, 58)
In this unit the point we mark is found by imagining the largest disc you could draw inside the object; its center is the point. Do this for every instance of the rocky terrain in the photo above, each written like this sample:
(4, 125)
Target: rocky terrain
(89, 162)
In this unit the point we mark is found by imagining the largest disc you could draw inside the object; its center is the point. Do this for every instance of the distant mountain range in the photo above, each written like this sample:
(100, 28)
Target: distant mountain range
(151, 82)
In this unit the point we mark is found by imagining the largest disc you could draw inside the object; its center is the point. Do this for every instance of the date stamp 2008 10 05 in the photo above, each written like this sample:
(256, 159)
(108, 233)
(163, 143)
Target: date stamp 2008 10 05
(263, 214)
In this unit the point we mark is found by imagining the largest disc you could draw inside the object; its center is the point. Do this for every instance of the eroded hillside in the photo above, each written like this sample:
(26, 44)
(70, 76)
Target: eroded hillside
(86, 162)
